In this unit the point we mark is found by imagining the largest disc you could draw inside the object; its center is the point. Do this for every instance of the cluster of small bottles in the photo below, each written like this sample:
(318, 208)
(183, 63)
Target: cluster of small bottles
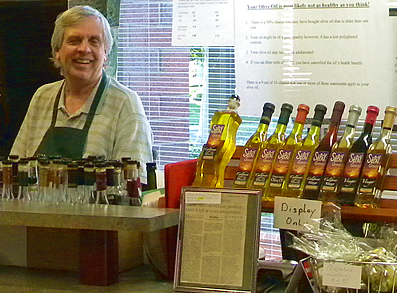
(92, 180)
(344, 171)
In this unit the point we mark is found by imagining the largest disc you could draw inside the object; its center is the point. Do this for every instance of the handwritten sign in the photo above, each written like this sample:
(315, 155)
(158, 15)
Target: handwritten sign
(294, 213)
(203, 198)
(342, 275)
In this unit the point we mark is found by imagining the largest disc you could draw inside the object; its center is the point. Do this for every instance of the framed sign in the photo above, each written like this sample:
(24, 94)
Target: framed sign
(218, 239)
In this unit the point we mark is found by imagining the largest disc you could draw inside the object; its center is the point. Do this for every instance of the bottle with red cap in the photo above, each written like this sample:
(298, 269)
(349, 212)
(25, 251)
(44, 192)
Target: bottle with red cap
(284, 154)
(320, 157)
(351, 175)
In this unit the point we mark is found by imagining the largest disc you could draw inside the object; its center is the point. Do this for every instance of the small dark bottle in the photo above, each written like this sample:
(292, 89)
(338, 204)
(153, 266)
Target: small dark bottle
(351, 174)
(151, 177)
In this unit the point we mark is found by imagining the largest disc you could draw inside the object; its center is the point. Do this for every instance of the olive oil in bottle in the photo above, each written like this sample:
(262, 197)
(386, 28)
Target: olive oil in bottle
(376, 164)
(220, 147)
(262, 168)
(303, 154)
(338, 157)
(250, 151)
(284, 154)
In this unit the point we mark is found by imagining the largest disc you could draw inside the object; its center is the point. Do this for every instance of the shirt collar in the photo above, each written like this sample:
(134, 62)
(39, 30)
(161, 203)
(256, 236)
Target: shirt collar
(87, 105)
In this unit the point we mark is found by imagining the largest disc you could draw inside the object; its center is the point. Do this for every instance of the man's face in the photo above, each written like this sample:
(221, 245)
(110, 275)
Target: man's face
(83, 53)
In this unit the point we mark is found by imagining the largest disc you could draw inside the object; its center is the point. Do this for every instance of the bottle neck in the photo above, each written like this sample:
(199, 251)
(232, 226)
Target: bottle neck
(367, 129)
(262, 127)
(386, 133)
(298, 128)
(349, 130)
(280, 129)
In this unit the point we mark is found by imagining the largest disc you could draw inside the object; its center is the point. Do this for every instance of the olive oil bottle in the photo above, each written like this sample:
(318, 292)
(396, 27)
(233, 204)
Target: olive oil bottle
(284, 154)
(338, 157)
(250, 151)
(376, 164)
(313, 178)
(220, 147)
(302, 155)
(268, 149)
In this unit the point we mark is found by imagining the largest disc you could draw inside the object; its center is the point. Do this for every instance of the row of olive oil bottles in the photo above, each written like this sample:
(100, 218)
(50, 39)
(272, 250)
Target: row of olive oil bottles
(345, 171)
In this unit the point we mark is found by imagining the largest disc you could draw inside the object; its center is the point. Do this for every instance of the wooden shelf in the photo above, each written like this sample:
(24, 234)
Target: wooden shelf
(387, 212)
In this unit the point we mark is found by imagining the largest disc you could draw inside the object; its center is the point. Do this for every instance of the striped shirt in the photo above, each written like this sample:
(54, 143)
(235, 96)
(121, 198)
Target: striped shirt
(119, 129)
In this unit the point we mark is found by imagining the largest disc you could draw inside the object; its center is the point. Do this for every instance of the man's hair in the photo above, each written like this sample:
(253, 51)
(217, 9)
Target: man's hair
(72, 17)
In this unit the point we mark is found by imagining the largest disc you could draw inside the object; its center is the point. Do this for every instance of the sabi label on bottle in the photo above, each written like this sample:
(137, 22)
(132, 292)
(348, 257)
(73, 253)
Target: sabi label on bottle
(264, 166)
(298, 168)
(214, 142)
(333, 171)
(370, 172)
(280, 168)
(316, 169)
(352, 172)
(245, 166)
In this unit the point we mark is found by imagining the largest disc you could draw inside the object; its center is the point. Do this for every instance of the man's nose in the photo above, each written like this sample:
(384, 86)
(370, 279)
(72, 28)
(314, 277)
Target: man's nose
(84, 46)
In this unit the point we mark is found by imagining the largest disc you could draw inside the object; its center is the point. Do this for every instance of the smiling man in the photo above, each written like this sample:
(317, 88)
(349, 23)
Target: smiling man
(87, 113)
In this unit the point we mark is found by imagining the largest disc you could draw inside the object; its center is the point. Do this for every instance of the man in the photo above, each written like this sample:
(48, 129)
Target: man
(87, 113)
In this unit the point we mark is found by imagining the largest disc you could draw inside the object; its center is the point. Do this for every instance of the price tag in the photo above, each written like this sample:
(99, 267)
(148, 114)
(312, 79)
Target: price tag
(203, 198)
(342, 275)
(295, 214)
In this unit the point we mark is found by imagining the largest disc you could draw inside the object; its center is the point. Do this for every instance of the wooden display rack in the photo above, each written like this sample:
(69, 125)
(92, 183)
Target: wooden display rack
(182, 174)
(386, 212)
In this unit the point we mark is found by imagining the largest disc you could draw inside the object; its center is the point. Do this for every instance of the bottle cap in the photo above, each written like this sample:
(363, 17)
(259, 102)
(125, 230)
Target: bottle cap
(286, 110)
(372, 113)
(268, 110)
(303, 110)
(319, 113)
(337, 112)
(234, 102)
(390, 115)
(354, 113)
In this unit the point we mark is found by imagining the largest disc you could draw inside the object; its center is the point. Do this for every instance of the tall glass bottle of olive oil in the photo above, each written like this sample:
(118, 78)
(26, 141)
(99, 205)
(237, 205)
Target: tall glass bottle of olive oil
(376, 164)
(250, 151)
(301, 157)
(284, 154)
(268, 150)
(338, 157)
(220, 147)
(356, 157)
(319, 160)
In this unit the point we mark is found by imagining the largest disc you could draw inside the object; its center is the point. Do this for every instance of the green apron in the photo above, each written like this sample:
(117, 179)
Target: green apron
(65, 141)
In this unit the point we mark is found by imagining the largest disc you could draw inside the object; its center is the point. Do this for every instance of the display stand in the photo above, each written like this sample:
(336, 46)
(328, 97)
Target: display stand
(218, 240)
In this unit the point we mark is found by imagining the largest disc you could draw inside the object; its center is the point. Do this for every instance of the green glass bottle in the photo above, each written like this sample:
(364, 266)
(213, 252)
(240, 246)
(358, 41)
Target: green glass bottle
(284, 154)
(250, 151)
(301, 157)
(269, 147)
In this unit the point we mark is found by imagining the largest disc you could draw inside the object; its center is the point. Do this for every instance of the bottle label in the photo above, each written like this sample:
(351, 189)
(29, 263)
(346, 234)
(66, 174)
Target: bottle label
(264, 166)
(280, 168)
(333, 171)
(245, 166)
(214, 142)
(298, 169)
(370, 172)
(352, 172)
(316, 170)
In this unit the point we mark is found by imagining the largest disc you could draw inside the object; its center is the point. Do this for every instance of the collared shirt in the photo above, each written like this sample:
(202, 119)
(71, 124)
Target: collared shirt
(119, 129)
